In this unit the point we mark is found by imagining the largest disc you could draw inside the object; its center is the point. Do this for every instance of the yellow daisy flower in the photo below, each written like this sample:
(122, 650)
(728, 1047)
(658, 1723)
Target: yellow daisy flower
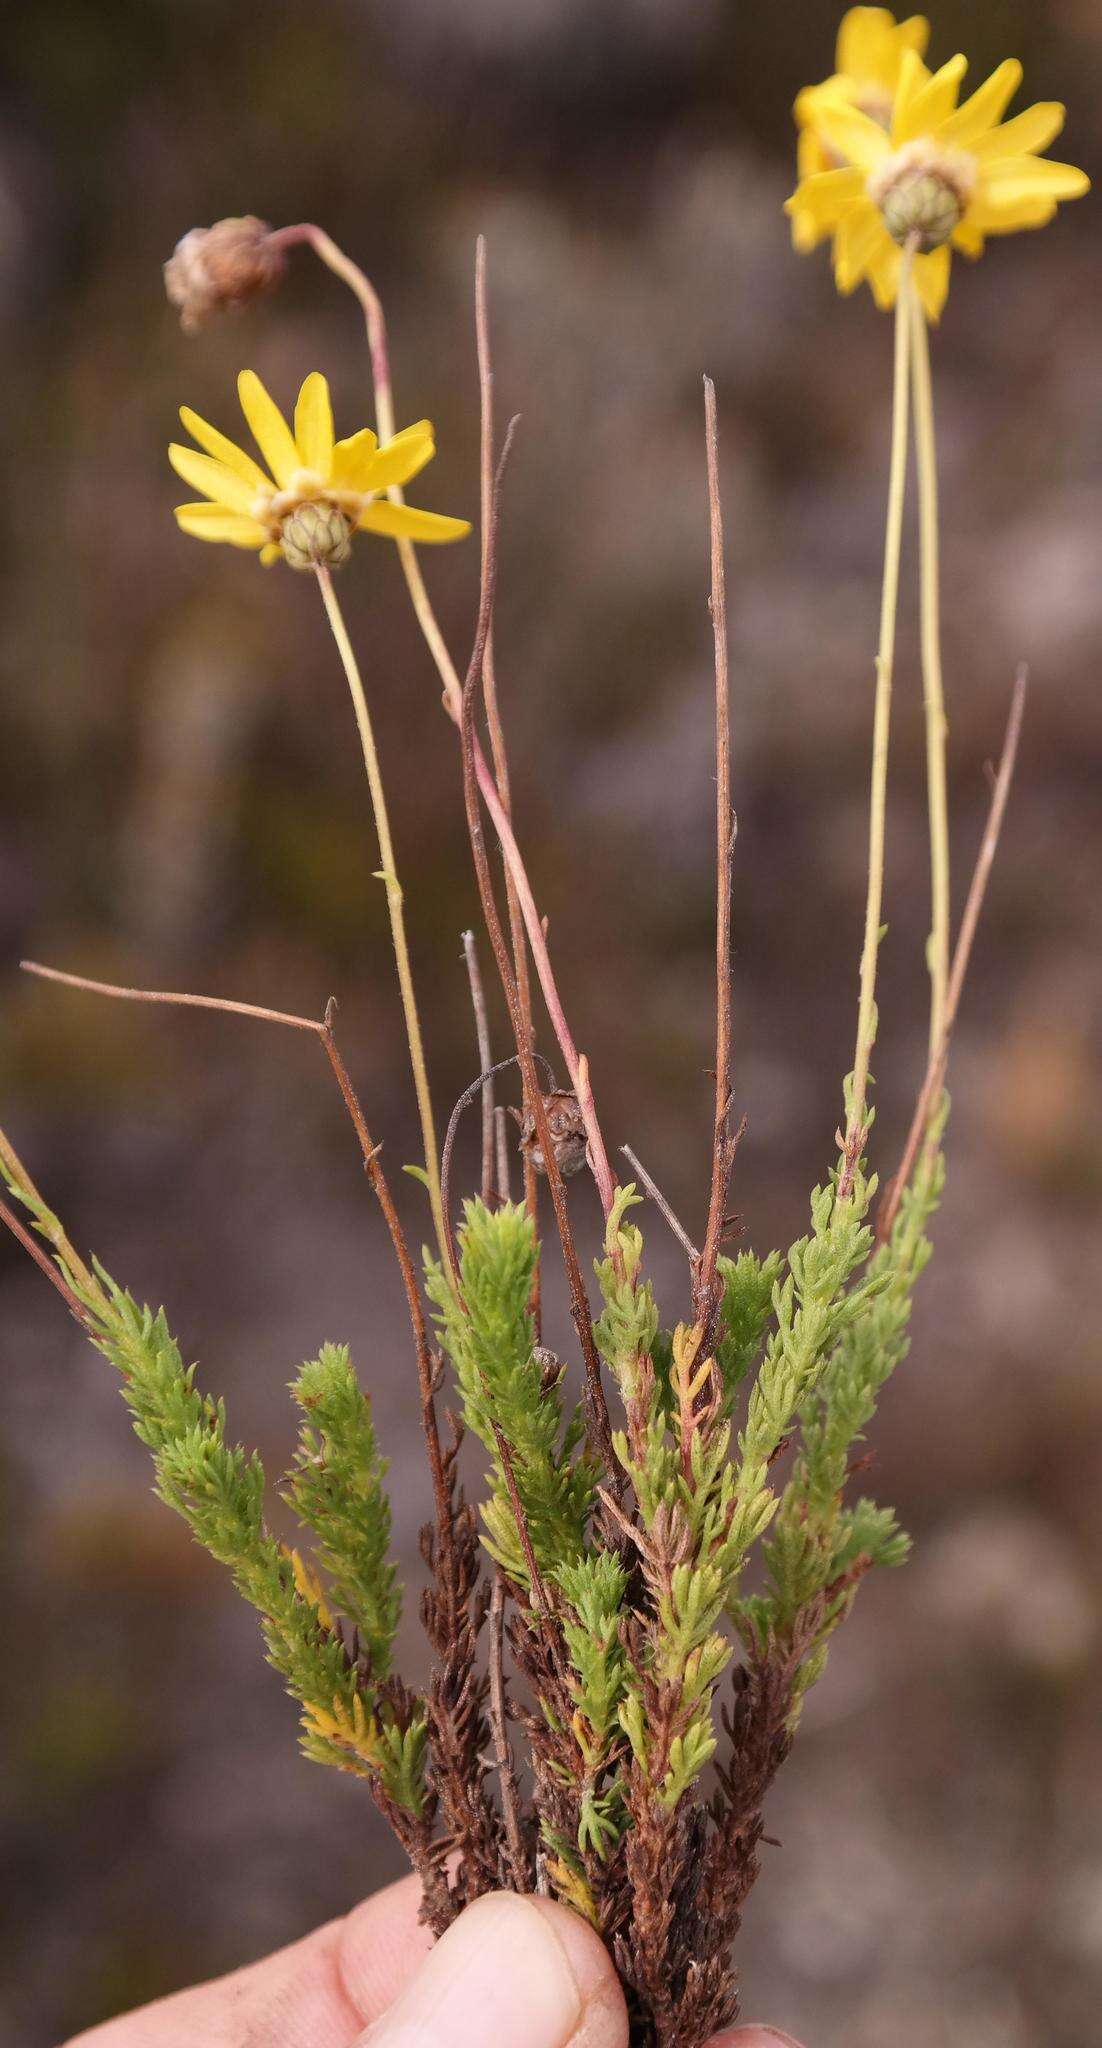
(868, 62)
(316, 492)
(945, 177)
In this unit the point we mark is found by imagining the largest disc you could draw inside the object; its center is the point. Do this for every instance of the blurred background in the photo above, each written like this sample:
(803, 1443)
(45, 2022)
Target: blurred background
(181, 805)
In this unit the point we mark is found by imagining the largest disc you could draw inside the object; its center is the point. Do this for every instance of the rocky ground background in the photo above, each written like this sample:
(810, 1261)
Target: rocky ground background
(181, 805)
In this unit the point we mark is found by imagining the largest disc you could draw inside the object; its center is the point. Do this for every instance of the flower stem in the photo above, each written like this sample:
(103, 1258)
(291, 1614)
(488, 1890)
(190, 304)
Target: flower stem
(885, 662)
(495, 799)
(394, 899)
(937, 731)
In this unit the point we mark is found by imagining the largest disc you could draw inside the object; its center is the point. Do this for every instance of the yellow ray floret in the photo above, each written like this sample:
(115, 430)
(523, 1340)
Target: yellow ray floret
(315, 492)
(936, 176)
(868, 61)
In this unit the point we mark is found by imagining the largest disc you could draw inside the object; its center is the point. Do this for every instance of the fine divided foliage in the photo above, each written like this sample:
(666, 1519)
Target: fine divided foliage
(627, 1586)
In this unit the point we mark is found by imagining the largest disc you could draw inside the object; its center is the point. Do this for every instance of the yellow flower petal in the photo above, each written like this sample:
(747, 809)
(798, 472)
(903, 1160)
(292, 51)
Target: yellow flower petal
(932, 280)
(913, 78)
(969, 239)
(270, 430)
(1010, 216)
(811, 160)
(352, 459)
(402, 458)
(402, 522)
(212, 522)
(986, 107)
(871, 42)
(824, 199)
(924, 104)
(1033, 177)
(860, 235)
(1036, 129)
(914, 34)
(314, 426)
(225, 450)
(852, 135)
(884, 274)
(205, 474)
(811, 157)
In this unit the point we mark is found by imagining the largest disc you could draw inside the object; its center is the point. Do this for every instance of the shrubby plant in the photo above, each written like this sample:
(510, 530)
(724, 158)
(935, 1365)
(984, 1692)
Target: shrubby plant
(653, 1578)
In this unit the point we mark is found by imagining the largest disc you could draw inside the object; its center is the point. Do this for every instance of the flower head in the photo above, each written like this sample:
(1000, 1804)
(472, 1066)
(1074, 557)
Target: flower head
(214, 269)
(938, 176)
(868, 62)
(316, 492)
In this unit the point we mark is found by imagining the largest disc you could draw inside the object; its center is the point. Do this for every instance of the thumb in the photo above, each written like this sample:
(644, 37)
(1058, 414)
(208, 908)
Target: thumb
(513, 1972)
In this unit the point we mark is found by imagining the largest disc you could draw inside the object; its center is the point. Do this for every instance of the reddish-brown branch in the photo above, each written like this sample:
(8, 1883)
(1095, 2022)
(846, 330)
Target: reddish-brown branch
(723, 1144)
(482, 1036)
(467, 1097)
(43, 1260)
(374, 1171)
(930, 1091)
(660, 1202)
(426, 1380)
(171, 998)
(501, 1132)
(499, 1722)
(599, 1425)
(498, 750)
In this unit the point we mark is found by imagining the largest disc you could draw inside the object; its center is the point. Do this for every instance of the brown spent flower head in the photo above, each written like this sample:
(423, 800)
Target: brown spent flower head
(213, 270)
(568, 1133)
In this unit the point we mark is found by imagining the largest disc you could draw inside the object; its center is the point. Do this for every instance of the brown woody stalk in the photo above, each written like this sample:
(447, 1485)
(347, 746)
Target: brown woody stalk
(494, 726)
(600, 1429)
(661, 1204)
(723, 1143)
(482, 1037)
(46, 1264)
(499, 1722)
(369, 1150)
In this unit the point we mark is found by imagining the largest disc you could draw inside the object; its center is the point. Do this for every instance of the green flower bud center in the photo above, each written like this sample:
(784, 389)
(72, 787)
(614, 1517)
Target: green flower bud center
(923, 195)
(316, 536)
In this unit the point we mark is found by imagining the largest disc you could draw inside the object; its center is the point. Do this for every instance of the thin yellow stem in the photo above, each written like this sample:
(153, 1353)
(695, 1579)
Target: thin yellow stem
(937, 730)
(389, 877)
(885, 663)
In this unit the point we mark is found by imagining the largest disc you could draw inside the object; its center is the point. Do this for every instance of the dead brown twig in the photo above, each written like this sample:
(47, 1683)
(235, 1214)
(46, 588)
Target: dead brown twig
(723, 1143)
(43, 1260)
(171, 998)
(661, 1204)
(499, 1723)
(370, 1153)
(477, 1086)
(597, 1410)
(498, 750)
(482, 1036)
(935, 1073)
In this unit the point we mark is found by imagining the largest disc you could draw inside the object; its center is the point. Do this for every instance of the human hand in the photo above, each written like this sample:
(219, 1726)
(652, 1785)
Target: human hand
(510, 1973)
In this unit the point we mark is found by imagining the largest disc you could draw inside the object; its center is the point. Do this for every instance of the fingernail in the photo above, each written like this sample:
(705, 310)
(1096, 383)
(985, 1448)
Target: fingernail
(512, 1972)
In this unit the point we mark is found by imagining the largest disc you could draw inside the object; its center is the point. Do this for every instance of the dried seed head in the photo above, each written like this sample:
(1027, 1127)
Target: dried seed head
(316, 536)
(922, 194)
(568, 1134)
(214, 269)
